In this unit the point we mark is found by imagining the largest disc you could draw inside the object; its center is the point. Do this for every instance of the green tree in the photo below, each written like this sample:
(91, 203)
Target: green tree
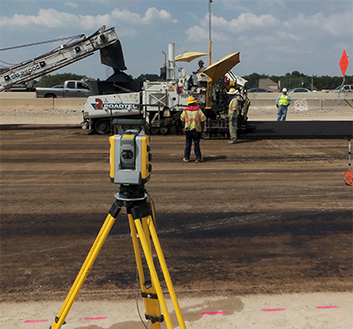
(57, 79)
(149, 77)
(253, 79)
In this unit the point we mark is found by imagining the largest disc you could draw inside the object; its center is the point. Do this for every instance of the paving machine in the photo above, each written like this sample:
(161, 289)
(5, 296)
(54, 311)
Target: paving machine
(161, 102)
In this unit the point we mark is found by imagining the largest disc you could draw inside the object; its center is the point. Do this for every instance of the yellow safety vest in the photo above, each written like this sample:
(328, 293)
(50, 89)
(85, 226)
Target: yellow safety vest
(283, 100)
(233, 106)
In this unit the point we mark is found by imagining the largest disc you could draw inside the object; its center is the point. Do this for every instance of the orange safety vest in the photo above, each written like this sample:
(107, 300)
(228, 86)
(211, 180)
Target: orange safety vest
(193, 119)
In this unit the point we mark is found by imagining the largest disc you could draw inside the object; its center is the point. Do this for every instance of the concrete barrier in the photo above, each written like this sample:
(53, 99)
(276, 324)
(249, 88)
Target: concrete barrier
(75, 104)
(305, 104)
(333, 104)
(26, 104)
(265, 101)
(41, 104)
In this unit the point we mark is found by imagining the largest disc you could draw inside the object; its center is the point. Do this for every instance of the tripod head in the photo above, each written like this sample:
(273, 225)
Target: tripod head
(130, 155)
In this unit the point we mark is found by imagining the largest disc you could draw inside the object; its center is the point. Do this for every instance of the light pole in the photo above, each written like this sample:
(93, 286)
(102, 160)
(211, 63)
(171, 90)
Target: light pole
(209, 81)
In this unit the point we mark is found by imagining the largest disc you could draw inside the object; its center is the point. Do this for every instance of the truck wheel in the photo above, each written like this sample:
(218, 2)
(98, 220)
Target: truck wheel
(154, 130)
(49, 96)
(172, 130)
(163, 130)
(102, 127)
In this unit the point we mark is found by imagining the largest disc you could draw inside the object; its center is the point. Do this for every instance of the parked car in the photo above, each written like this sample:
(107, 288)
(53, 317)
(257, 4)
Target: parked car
(259, 90)
(299, 90)
(344, 89)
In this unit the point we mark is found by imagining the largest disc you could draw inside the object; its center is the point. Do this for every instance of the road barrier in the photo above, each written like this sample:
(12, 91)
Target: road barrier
(38, 104)
(265, 101)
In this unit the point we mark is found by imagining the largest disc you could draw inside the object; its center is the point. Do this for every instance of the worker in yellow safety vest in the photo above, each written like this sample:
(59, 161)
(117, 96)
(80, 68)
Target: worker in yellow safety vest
(282, 103)
(233, 115)
(194, 125)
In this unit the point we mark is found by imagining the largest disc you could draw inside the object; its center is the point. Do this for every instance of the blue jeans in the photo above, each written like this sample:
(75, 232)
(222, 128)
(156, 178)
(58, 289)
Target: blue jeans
(282, 113)
(195, 136)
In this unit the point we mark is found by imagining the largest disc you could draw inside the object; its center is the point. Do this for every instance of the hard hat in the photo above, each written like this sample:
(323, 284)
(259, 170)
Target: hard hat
(284, 90)
(201, 62)
(232, 91)
(191, 100)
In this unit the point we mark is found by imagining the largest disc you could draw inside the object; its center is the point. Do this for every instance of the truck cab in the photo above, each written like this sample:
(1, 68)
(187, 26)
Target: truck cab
(71, 89)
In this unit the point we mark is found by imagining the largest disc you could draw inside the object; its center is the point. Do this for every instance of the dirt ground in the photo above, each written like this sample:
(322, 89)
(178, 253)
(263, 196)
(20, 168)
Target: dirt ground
(260, 217)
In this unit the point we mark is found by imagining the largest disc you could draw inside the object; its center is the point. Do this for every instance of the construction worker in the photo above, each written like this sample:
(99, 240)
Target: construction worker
(193, 78)
(282, 103)
(194, 125)
(201, 67)
(233, 114)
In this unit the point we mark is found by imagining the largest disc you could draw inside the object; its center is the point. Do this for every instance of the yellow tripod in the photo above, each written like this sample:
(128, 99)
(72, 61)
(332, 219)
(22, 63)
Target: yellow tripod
(140, 210)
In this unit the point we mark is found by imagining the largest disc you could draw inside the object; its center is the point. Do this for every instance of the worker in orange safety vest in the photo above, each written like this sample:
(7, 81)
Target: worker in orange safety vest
(194, 125)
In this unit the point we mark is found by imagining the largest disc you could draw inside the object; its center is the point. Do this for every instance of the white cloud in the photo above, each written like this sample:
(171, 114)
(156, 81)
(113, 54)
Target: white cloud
(197, 33)
(71, 4)
(245, 21)
(52, 18)
(153, 14)
(336, 25)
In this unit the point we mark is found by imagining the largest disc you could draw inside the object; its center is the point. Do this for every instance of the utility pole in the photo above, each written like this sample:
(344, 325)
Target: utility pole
(210, 33)
(209, 81)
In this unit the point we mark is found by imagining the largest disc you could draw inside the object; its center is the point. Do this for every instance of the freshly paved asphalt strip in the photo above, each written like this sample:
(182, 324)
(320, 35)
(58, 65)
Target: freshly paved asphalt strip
(299, 129)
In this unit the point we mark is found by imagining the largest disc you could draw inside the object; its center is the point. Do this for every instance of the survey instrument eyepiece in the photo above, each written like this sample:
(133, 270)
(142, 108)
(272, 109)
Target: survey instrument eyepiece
(130, 155)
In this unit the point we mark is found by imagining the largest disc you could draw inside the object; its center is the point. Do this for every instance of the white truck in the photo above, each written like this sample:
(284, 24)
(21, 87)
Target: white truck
(71, 88)
(158, 102)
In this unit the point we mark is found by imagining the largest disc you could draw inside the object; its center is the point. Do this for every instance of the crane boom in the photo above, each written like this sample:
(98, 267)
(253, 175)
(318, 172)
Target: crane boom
(57, 58)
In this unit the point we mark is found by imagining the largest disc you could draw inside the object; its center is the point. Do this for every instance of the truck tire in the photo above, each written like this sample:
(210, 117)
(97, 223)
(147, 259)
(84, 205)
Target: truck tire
(49, 96)
(172, 130)
(102, 126)
(163, 130)
(154, 130)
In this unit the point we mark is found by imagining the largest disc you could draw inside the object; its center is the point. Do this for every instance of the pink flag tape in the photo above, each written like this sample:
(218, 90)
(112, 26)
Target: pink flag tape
(333, 306)
(213, 313)
(273, 309)
(34, 321)
(97, 318)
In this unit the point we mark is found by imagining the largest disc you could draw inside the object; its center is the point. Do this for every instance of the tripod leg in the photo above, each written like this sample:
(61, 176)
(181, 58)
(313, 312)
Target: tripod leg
(149, 295)
(165, 271)
(154, 277)
(86, 267)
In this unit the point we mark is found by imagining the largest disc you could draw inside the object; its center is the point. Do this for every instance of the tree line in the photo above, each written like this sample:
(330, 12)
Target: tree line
(289, 80)
(297, 80)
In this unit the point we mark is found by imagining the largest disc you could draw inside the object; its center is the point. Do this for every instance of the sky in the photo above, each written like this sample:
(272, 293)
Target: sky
(273, 37)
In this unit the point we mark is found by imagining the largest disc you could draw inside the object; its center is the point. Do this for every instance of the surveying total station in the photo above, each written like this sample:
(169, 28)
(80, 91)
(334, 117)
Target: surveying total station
(130, 167)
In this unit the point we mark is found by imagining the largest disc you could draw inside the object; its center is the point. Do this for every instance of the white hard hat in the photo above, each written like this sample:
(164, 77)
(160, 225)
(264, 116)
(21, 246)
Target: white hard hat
(284, 90)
